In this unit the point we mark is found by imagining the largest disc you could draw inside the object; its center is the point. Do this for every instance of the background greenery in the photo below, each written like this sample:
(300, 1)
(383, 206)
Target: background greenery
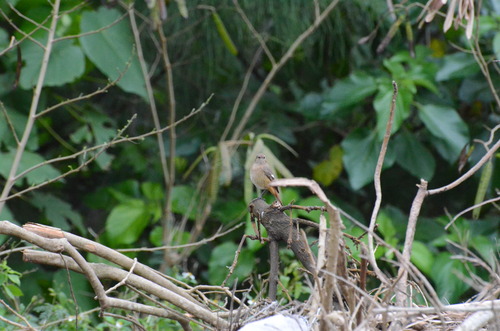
(329, 104)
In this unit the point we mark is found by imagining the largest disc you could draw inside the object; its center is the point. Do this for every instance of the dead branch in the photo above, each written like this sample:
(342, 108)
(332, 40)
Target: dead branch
(56, 241)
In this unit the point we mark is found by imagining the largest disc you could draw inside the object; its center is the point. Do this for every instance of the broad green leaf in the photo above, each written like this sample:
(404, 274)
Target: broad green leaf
(413, 156)
(156, 236)
(445, 124)
(13, 291)
(310, 105)
(14, 278)
(152, 191)
(58, 212)
(386, 226)
(66, 63)
(348, 92)
(382, 105)
(111, 50)
(458, 65)
(361, 151)
(18, 121)
(228, 210)
(28, 160)
(184, 201)
(329, 170)
(422, 257)
(221, 259)
(444, 274)
(486, 248)
(126, 222)
(6, 215)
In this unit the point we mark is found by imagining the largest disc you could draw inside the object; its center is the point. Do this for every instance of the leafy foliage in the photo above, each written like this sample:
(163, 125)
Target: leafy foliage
(324, 116)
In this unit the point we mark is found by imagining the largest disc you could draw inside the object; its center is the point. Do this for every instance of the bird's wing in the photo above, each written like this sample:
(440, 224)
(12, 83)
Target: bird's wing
(271, 177)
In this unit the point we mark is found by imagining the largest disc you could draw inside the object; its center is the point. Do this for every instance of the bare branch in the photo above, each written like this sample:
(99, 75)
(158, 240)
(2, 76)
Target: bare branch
(469, 173)
(378, 189)
(34, 105)
(289, 53)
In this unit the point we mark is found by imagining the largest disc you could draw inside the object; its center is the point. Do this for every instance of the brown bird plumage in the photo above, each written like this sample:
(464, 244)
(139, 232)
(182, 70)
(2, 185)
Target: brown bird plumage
(261, 176)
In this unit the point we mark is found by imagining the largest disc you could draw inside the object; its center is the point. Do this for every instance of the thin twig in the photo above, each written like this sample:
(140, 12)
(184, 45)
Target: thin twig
(254, 32)
(204, 241)
(34, 105)
(9, 123)
(99, 148)
(401, 293)
(274, 70)
(23, 327)
(149, 90)
(378, 189)
(485, 202)
(469, 173)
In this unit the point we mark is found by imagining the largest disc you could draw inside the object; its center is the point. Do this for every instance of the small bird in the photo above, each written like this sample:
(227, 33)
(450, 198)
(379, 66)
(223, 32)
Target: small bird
(261, 176)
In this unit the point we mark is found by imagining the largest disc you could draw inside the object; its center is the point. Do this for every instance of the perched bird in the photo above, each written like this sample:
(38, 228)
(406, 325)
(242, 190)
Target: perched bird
(261, 176)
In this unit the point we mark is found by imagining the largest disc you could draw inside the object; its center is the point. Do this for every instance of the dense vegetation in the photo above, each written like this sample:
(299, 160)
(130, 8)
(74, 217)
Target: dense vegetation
(98, 170)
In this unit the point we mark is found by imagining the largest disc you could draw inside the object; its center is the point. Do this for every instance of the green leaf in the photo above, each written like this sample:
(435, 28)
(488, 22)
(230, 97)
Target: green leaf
(66, 62)
(12, 291)
(382, 105)
(18, 121)
(224, 35)
(28, 160)
(111, 50)
(348, 92)
(413, 156)
(126, 222)
(329, 170)
(496, 45)
(156, 236)
(229, 210)
(152, 191)
(361, 151)
(386, 226)
(221, 259)
(444, 273)
(458, 65)
(58, 212)
(482, 188)
(446, 125)
(182, 201)
(486, 248)
(422, 257)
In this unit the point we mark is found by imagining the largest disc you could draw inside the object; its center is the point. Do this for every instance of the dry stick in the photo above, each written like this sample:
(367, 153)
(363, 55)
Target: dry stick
(255, 33)
(168, 220)
(82, 97)
(9, 183)
(401, 294)
(54, 240)
(195, 244)
(9, 123)
(104, 271)
(469, 173)
(23, 327)
(25, 35)
(331, 241)
(289, 53)
(485, 202)
(243, 89)
(97, 147)
(378, 189)
(149, 90)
